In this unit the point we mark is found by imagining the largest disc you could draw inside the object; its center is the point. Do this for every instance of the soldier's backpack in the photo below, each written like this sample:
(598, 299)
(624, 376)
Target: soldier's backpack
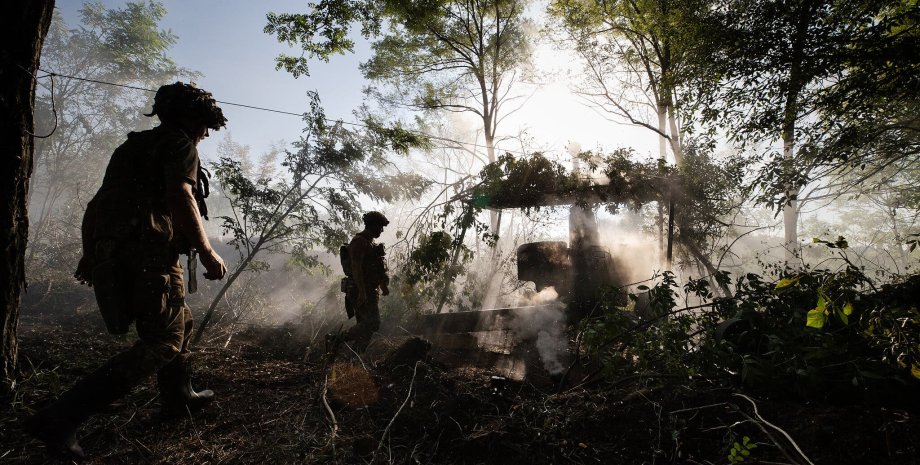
(348, 285)
(345, 259)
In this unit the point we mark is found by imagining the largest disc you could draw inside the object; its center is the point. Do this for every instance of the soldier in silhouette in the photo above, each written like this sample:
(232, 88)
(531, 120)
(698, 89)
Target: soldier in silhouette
(146, 213)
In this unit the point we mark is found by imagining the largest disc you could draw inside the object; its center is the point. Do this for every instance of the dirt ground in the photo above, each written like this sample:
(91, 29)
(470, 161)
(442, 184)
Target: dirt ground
(282, 401)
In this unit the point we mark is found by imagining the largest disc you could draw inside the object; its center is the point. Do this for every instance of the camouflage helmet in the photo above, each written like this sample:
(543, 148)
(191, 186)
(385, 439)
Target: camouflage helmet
(177, 100)
(375, 218)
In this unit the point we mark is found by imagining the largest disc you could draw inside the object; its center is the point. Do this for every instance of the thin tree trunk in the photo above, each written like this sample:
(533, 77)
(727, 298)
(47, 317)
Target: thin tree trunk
(790, 209)
(263, 238)
(662, 154)
(701, 258)
(662, 130)
(26, 23)
(676, 144)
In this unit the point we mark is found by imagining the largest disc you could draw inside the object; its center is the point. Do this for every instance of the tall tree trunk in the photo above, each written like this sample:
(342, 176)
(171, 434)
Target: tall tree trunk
(662, 154)
(795, 85)
(790, 209)
(662, 130)
(676, 144)
(26, 23)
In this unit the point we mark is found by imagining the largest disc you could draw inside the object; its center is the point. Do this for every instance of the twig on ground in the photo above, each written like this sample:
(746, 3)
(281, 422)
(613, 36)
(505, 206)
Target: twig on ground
(335, 424)
(769, 436)
(356, 355)
(720, 404)
(134, 413)
(777, 428)
(398, 411)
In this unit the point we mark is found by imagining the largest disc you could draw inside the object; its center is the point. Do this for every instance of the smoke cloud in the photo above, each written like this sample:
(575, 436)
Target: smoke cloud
(546, 328)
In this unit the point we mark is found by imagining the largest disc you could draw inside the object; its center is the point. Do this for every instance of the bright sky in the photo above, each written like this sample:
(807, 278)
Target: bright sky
(224, 40)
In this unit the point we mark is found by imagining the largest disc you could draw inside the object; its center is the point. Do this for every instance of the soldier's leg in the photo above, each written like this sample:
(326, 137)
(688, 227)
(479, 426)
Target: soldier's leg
(160, 330)
(368, 322)
(174, 379)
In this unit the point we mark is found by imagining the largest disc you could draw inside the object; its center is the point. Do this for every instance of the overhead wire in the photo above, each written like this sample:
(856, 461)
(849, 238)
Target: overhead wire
(52, 74)
(53, 108)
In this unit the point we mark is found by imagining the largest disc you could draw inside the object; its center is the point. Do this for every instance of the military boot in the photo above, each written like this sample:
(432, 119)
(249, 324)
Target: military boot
(176, 391)
(56, 425)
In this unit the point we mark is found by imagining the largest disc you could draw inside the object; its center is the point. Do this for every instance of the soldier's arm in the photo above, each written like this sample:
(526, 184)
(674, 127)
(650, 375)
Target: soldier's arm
(187, 220)
(84, 272)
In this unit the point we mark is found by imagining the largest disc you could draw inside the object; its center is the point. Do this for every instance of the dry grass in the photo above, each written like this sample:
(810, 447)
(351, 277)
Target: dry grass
(281, 402)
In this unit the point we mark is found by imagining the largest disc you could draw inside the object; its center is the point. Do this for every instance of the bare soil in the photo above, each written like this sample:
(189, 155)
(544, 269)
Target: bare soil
(282, 401)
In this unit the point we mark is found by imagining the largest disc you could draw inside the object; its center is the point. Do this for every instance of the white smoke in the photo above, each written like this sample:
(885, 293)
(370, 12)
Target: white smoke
(546, 328)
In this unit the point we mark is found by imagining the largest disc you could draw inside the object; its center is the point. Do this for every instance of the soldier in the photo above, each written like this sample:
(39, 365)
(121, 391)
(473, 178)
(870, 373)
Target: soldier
(146, 213)
(368, 279)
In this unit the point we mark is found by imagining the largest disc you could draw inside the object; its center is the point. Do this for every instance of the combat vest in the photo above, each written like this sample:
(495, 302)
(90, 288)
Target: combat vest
(131, 204)
(375, 267)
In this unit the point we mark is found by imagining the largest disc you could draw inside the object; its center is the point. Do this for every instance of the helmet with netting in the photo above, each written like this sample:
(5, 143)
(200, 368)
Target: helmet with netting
(180, 100)
(375, 219)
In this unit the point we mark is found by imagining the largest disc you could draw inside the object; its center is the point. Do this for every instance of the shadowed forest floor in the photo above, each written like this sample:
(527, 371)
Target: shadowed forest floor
(279, 401)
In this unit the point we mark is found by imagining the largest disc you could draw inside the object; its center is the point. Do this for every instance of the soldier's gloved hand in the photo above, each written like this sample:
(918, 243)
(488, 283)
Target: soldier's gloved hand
(84, 272)
(213, 264)
(385, 289)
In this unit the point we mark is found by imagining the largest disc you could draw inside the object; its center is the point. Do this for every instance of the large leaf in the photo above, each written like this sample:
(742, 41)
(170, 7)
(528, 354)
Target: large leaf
(816, 318)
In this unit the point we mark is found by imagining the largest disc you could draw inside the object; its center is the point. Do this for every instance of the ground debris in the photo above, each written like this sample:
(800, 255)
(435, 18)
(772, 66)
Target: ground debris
(402, 402)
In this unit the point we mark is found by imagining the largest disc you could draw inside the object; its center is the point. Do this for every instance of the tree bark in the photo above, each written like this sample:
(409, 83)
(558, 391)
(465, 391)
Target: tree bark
(26, 23)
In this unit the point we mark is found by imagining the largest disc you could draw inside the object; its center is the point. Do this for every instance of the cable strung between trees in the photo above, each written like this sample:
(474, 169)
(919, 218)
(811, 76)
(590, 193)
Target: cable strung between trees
(52, 75)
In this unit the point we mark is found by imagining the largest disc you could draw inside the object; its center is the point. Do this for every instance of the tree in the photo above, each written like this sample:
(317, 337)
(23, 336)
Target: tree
(454, 56)
(768, 68)
(869, 114)
(27, 23)
(316, 203)
(633, 53)
(444, 56)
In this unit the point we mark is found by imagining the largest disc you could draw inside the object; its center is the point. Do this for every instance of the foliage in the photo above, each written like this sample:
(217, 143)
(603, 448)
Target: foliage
(634, 56)
(427, 277)
(433, 53)
(816, 333)
(821, 74)
(430, 259)
(741, 451)
(451, 55)
(322, 33)
(529, 183)
(315, 204)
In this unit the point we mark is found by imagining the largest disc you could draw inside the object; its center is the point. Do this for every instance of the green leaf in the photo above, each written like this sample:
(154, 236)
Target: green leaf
(786, 282)
(848, 308)
(816, 318)
(822, 302)
(843, 317)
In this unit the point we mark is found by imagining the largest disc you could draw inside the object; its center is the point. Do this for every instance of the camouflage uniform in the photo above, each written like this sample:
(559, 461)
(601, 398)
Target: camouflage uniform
(369, 257)
(137, 274)
(136, 277)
